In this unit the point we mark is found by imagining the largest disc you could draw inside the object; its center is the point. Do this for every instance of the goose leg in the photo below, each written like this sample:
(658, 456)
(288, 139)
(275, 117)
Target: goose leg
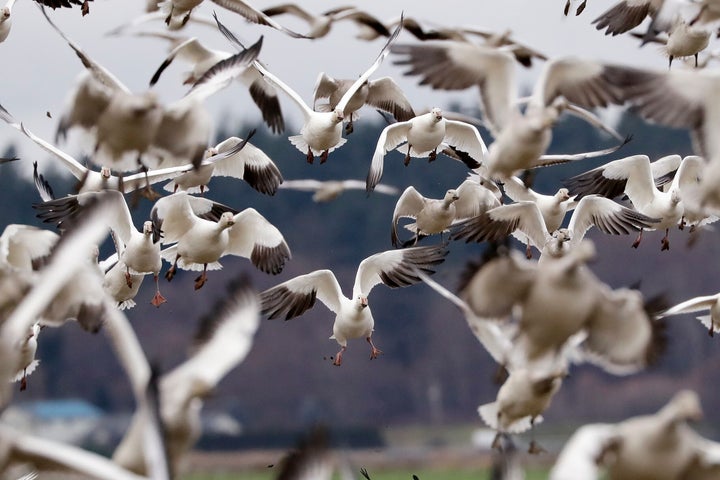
(665, 241)
(374, 351)
(158, 299)
(534, 447)
(310, 156)
(432, 156)
(171, 271)
(128, 277)
(324, 156)
(407, 156)
(349, 127)
(338, 357)
(200, 281)
(23, 381)
(638, 240)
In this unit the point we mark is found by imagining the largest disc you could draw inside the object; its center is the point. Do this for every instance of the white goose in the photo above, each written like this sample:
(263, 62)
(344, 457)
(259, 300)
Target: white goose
(426, 135)
(705, 303)
(353, 319)
(27, 362)
(321, 132)
(521, 137)
(201, 242)
(436, 215)
(23, 247)
(140, 252)
(525, 220)
(202, 58)
(233, 157)
(635, 176)
(661, 446)
(327, 190)
(6, 20)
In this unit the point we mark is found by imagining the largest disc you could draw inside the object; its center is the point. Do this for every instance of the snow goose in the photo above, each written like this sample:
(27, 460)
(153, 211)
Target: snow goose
(660, 446)
(436, 215)
(329, 190)
(353, 318)
(203, 58)
(521, 137)
(321, 132)
(178, 13)
(320, 25)
(528, 389)
(635, 175)
(705, 303)
(6, 20)
(117, 286)
(25, 247)
(425, 135)
(27, 361)
(559, 298)
(683, 40)
(224, 338)
(140, 251)
(201, 242)
(525, 217)
(382, 93)
(233, 157)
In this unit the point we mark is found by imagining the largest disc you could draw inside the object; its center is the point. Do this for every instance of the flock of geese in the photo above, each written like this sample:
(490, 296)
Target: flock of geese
(536, 317)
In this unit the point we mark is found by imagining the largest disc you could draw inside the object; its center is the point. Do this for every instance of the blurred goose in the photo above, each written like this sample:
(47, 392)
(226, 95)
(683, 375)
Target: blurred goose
(635, 175)
(329, 190)
(115, 283)
(192, 51)
(625, 15)
(683, 40)
(436, 215)
(224, 338)
(706, 303)
(178, 13)
(321, 132)
(201, 242)
(525, 217)
(6, 20)
(521, 137)
(353, 319)
(25, 247)
(140, 251)
(233, 157)
(426, 135)
(661, 446)
(382, 93)
(27, 361)
(320, 25)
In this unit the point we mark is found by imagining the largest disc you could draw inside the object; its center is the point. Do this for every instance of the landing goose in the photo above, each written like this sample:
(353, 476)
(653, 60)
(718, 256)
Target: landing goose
(635, 176)
(321, 132)
(140, 251)
(426, 135)
(192, 51)
(682, 40)
(328, 190)
(199, 243)
(661, 446)
(521, 137)
(526, 219)
(353, 318)
(434, 216)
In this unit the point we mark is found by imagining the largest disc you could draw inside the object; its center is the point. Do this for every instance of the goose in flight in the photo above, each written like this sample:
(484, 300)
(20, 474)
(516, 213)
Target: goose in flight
(192, 51)
(320, 25)
(321, 132)
(353, 318)
(328, 190)
(434, 216)
(661, 446)
(521, 138)
(426, 135)
(635, 177)
(704, 303)
(140, 250)
(525, 217)
(203, 231)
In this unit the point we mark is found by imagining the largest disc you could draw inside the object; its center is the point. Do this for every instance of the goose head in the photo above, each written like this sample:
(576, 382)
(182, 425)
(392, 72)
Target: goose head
(362, 302)
(227, 220)
(148, 228)
(4, 13)
(562, 195)
(339, 115)
(105, 172)
(436, 115)
(450, 197)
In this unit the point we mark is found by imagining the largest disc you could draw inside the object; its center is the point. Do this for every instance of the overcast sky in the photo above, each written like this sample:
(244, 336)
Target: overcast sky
(40, 69)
